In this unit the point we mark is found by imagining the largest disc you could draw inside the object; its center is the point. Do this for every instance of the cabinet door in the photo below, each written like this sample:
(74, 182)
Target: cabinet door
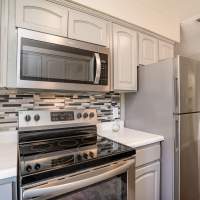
(148, 182)
(125, 58)
(41, 15)
(88, 28)
(166, 50)
(148, 49)
(6, 192)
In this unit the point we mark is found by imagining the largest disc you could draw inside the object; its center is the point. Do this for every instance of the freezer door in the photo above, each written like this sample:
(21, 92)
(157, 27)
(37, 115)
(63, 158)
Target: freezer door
(187, 172)
(187, 85)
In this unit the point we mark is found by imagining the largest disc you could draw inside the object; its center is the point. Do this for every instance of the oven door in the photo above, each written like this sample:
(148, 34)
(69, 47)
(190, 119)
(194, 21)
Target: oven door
(51, 62)
(115, 181)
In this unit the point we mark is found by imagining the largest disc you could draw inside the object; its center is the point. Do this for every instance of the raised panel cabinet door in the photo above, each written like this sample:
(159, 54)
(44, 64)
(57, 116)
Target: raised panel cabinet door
(6, 192)
(148, 182)
(41, 15)
(88, 28)
(148, 49)
(166, 50)
(125, 58)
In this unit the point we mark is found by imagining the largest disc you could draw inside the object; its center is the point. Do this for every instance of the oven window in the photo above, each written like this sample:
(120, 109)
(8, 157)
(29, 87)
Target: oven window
(41, 61)
(112, 189)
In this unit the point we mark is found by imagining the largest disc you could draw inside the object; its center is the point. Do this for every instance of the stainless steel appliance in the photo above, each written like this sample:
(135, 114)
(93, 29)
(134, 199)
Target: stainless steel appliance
(62, 158)
(50, 62)
(168, 103)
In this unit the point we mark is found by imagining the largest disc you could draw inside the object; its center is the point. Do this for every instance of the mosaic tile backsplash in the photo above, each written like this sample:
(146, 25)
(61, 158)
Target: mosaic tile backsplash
(13, 101)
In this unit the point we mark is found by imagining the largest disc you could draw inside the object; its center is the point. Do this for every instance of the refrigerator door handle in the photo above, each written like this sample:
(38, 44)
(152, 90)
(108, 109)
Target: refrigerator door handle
(176, 91)
(177, 135)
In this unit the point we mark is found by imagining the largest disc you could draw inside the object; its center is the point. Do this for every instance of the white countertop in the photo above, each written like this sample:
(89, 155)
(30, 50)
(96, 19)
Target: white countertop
(129, 137)
(8, 154)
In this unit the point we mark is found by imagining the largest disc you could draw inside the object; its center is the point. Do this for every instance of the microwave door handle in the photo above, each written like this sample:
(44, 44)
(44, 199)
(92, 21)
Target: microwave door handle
(98, 68)
(72, 186)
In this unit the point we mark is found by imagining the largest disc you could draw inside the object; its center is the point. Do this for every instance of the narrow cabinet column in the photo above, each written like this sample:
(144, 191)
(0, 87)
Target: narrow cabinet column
(125, 58)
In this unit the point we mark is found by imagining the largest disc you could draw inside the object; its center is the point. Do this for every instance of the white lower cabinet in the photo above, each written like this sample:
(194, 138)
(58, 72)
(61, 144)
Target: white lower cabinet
(6, 192)
(148, 182)
(147, 177)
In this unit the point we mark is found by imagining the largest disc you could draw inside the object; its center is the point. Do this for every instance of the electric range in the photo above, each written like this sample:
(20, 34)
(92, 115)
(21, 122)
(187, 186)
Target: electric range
(62, 157)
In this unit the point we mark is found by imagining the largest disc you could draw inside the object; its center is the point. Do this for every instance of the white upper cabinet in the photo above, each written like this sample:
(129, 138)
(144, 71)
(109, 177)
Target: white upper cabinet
(166, 50)
(125, 58)
(43, 16)
(88, 28)
(148, 49)
(148, 182)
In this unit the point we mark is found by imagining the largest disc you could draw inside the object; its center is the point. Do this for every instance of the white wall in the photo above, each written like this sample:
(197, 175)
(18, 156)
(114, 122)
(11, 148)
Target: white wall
(158, 16)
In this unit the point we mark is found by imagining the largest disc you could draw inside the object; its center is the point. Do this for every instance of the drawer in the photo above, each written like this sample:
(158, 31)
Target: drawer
(147, 154)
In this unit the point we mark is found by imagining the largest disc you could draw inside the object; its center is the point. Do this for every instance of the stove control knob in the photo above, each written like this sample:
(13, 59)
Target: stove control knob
(79, 115)
(91, 115)
(85, 155)
(28, 168)
(27, 118)
(85, 115)
(37, 118)
(37, 166)
(91, 154)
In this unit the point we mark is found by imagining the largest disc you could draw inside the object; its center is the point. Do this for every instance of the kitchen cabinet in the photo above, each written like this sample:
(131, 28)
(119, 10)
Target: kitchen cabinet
(125, 58)
(6, 191)
(42, 16)
(148, 173)
(148, 49)
(166, 50)
(88, 28)
(148, 182)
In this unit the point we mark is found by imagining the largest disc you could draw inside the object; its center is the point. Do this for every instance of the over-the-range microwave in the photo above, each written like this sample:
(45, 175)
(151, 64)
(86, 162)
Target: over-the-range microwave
(47, 61)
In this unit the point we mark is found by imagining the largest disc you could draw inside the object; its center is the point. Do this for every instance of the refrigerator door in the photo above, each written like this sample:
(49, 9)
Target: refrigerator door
(151, 110)
(187, 85)
(187, 172)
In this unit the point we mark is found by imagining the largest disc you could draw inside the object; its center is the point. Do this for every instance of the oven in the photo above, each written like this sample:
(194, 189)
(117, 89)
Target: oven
(106, 182)
(61, 157)
(46, 61)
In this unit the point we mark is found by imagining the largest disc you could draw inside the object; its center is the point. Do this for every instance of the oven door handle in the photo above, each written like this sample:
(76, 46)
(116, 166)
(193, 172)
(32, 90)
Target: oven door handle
(71, 186)
(98, 68)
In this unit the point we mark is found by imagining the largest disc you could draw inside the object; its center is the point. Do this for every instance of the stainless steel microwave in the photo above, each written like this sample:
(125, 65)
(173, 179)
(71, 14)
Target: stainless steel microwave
(51, 62)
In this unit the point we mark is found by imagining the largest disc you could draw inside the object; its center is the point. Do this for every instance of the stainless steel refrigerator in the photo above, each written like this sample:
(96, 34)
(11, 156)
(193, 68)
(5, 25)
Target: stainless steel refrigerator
(168, 103)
